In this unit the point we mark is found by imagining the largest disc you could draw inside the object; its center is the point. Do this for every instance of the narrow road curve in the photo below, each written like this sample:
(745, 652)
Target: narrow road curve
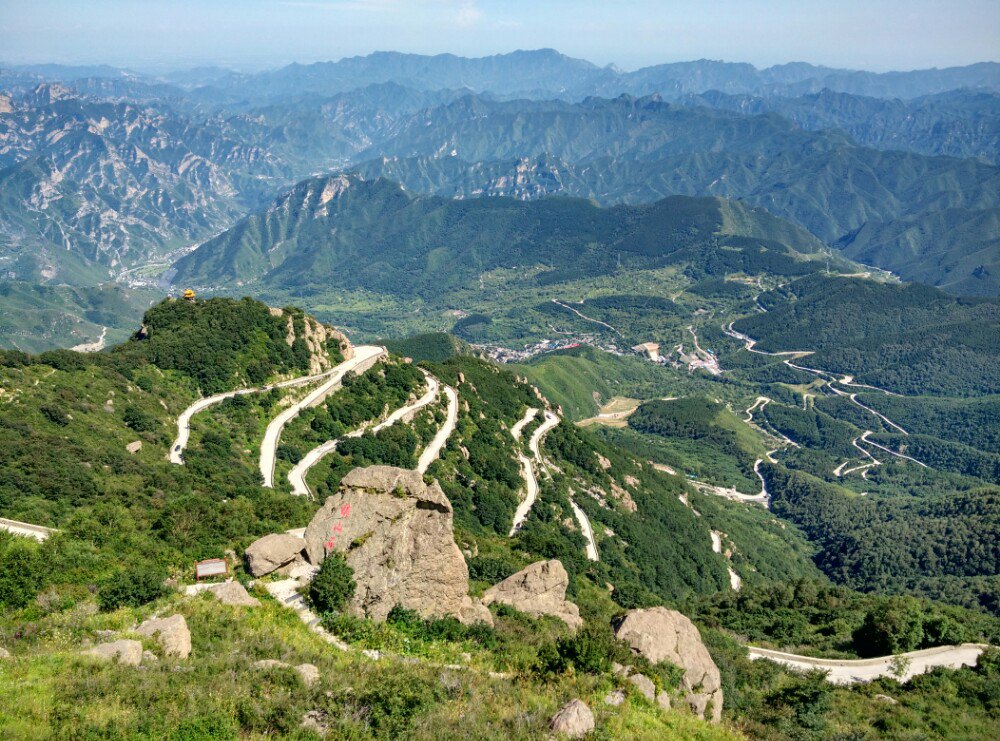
(95, 346)
(864, 439)
(521, 513)
(587, 318)
(518, 427)
(297, 476)
(586, 529)
(850, 671)
(433, 450)
(365, 356)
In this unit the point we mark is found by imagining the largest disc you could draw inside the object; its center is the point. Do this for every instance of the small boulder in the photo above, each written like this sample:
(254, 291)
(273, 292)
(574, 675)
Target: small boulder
(645, 686)
(663, 700)
(4, 653)
(134, 447)
(887, 699)
(171, 632)
(233, 593)
(270, 664)
(149, 656)
(272, 552)
(125, 652)
(574, 720)
(309, 674)
(315, 721)
(614, 698)
(538, 589)
(660, 634)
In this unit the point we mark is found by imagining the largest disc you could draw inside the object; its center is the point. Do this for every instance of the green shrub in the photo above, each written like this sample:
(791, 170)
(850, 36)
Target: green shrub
(139, 420)
(133, 586)
(333, 586)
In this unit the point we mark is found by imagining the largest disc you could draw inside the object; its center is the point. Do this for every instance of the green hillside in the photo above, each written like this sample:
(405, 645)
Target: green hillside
(388, 241)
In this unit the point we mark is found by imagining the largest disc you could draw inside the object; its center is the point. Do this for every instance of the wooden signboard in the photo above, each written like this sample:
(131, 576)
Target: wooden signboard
(211, 567)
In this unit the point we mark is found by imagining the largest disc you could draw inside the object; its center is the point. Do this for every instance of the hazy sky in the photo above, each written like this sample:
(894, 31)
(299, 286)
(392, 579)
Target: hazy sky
(864, 34)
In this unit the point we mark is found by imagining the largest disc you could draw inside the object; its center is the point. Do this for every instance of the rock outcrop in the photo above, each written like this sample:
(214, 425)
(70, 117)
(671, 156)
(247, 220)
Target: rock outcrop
(660, 634)
(574, 720)
(308, 673)
(172, 634)
(396, 532)
(645, 686)
(125, 652)
(538, 589)
(272, 552)
(233, 593)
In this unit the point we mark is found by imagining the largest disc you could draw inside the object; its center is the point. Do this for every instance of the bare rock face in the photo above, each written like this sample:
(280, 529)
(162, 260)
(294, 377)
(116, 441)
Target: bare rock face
(233, 593)
(538, 589)
(171, 632)
(574, 720)
(124, 652)
(645, 686)
(660, 634)
(272, 552)
(397, 534)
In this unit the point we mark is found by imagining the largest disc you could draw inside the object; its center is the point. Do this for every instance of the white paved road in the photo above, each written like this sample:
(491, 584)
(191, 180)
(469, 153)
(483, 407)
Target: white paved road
(15, 527)
(521, 513)
(365, 356)
(184, 420)
(850, 671)
(433, 450)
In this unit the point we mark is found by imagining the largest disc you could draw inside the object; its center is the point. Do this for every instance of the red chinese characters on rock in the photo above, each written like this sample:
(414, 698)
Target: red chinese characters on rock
(338, 527)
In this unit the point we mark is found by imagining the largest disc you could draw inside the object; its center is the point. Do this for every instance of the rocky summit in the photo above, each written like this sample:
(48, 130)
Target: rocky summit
(397, 534)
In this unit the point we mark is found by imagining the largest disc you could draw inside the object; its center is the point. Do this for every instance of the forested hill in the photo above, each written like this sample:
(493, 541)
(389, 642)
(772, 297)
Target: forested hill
(343, 231)
(912, 339)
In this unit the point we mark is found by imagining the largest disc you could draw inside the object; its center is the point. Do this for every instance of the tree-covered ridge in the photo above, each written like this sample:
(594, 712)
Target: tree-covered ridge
(222, 343)
(347, 232)
(886, 545)
(911, 339)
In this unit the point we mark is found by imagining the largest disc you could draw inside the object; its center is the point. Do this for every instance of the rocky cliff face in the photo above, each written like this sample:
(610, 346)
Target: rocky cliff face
(660, 634)
(396, 532)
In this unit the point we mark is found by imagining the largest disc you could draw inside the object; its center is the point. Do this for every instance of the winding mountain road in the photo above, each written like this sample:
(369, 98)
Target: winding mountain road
(829, 380)
(521, 513)
(434, 448)
(850, 671)
(365, 356)
(297, 476)
(184, 420)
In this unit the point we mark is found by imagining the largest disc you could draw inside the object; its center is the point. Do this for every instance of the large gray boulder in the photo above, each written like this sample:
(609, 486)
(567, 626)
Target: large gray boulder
(538, 589)
(233, 593)
(397, 534)
(272, 552)
(172, 634)
(659, 635)
(125, 652)
(573, 720)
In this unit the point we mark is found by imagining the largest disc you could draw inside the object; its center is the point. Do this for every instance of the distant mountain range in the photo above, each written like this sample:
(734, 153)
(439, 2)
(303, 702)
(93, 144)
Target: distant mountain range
(545, 73)
(110, 175)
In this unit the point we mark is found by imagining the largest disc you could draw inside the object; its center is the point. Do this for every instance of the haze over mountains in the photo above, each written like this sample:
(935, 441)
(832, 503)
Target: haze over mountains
(106, 172)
